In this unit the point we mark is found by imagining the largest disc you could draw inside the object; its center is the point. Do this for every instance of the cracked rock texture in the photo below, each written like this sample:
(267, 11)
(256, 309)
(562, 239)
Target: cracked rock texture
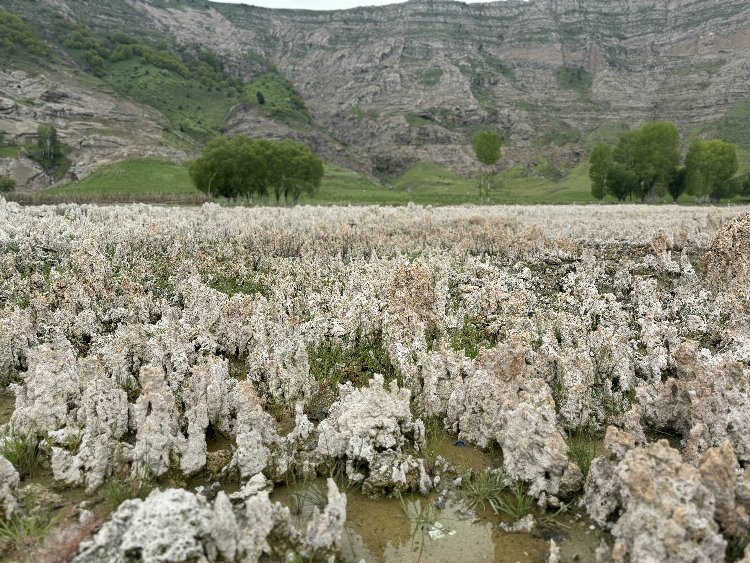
(176, 526)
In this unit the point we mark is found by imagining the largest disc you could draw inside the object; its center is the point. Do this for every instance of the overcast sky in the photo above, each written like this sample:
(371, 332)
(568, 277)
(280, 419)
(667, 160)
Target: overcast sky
(319, 4)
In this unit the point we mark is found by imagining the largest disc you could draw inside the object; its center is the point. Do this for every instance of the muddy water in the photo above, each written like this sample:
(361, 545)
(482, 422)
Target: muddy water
(379, 530)
(7, 405)
(465, 458)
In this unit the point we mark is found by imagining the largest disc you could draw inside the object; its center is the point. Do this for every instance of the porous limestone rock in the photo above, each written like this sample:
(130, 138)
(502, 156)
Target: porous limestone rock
(255, 435)
(158, 436)
(718, 468)
(16, 336)
(178, 526)
(662, 508)
(102, 422)
(727, 264)
(602, 494)
(371, 428)
(668, 510)
(50, 393)
(9, 481)
(325, 529)
(207, 398)
(706, 400)
(170, 526)
(503, 401)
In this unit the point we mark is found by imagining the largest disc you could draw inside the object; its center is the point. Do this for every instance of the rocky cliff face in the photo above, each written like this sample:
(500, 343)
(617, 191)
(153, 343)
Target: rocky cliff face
(394, 84)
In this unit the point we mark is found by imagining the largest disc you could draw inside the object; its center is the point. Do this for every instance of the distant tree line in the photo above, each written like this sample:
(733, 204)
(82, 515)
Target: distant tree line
(646, 163)
(256, 169)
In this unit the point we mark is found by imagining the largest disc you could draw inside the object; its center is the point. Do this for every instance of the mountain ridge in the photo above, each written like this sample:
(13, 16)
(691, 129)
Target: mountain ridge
(388, 86)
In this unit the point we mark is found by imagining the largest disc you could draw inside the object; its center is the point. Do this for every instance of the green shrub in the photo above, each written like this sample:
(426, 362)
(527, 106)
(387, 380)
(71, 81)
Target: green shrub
(7, 184)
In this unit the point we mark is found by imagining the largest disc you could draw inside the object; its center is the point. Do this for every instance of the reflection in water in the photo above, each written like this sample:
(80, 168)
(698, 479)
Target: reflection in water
(378, 530)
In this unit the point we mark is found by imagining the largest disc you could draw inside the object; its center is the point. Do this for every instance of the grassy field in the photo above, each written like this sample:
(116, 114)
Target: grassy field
(157, 181)
(146, 180)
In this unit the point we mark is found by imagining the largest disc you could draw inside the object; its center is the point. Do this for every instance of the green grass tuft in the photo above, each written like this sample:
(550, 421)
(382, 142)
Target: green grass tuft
(515, 503)
(583, 447)
(119, 488)
(26, 529)
(483, 489)
(334, 364)
(21, 451)
(470, 338)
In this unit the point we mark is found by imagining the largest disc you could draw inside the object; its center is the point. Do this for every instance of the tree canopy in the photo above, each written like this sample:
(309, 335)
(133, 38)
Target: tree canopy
(646, 163)
(601, 162)
(486, 145)
(7, 184)
(710, 166)
(242, 166)
(49, 151)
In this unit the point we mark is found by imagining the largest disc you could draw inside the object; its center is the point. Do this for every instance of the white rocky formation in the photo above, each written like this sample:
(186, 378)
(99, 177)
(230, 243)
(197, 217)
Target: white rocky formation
(502, 401)
(255, 432)
(177, 526)
(661, 508)
(371, 429)
(47, 399)
(102, 421)
(9, 481)
(127, 360)
(705, 400)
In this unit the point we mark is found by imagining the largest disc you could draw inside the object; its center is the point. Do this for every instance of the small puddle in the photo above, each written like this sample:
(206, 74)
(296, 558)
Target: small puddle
(238, 367)
(219, 442)
(379, 530)
(413, 530)
(7, 406)
(465, 457)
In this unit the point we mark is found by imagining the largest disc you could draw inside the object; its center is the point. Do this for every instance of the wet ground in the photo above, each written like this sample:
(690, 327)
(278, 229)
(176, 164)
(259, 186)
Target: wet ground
(412, 529)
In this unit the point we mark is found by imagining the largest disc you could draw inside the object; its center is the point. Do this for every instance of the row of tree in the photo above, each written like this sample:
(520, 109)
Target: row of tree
(245, 167)
(646, 163)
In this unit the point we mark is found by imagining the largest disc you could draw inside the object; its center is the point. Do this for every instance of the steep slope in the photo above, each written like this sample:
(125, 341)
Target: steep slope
(384, 87)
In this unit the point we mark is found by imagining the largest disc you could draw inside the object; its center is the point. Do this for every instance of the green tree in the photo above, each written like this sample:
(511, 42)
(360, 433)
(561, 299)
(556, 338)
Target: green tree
(652, 152)
(486, 146)
(17, 37)
(601, 162)
(215, 171)
(621, 181)
(49, 151)
(710, 167)
(744, 184)
(7, 184)
(256, 168)
(303, 173)
(678, 183)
